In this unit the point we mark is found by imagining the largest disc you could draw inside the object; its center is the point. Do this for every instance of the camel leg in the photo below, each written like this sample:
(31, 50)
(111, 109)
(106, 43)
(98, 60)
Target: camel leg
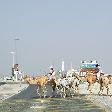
(90, 88)
(41, 91)
(53, 89)
(44, 91)
(77, 90)
(99, 93)
(58, 88)
(64, 92)
(61, 92)
(38, 91)
(107, 90)
(101, 90)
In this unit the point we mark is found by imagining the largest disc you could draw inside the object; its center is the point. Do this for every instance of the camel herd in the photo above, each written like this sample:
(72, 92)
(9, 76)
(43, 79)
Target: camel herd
(41, 82)
(69, 83)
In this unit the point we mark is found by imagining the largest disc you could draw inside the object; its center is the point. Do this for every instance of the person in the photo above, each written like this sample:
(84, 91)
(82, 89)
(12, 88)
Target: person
(52, 73)
(21, 75)
(13, 74)
(101, 74)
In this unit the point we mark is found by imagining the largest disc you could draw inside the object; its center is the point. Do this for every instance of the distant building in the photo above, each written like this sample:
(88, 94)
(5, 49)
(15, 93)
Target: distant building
(89, 67)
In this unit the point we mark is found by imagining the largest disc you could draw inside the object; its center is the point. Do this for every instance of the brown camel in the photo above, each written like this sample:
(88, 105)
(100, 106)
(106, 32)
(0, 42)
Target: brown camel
(104, 81)
(91, 79)
(41, 81)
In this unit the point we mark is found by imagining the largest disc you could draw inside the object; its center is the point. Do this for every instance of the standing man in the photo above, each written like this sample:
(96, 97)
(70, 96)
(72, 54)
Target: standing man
(13, 74)
(16, 75)
(52, 73)
(21, 77)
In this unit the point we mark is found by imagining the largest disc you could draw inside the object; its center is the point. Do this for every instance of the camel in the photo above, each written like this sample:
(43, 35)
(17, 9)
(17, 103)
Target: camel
(68, 83)
(29, 79)
(91, 79)
(41, 82)
(104, 81)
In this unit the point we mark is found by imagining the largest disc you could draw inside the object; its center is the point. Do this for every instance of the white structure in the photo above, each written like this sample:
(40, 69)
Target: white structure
(63, 66)
(16, 75)
(13, 58)
(16, 39)
(94, 62)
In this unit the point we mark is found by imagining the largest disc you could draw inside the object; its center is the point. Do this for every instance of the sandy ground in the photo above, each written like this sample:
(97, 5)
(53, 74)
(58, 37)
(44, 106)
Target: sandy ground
(103, 101)
(8, 90)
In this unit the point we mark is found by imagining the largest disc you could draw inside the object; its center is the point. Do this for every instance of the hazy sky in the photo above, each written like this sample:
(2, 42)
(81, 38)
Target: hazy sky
(54, 30)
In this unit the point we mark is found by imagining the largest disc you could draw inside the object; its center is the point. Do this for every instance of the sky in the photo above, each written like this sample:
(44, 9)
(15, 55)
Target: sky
(50, 31)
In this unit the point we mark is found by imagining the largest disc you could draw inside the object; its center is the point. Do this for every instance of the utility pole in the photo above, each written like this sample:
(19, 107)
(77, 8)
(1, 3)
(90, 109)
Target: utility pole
(16, 52)
(13, 58)
(13, 63)
(16, 71)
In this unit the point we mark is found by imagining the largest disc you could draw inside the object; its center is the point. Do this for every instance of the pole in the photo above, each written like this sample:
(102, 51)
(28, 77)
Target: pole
(13, 61)
(16, 39)
(13, 58)
(16, 72)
